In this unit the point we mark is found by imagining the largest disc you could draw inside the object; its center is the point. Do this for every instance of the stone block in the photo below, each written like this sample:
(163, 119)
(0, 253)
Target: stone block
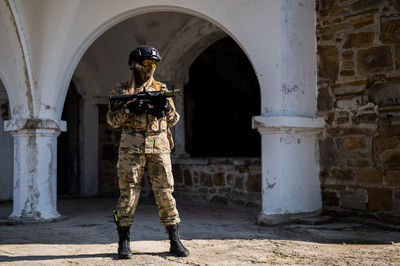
(343, 120)
(206, 180)
(385, 93)
(380, 199)
(347, 55)
(392, 177)
(369, 176)
(254, 183)
(203, 190)
(330, 198)
(239, 182)
(241, 169)
(390, 159)
(335, 132)
(348, 65)
(325, 100)
(390, 29)
(349, 89)
(351, 103)
(343, 174)
(230, 178)
(196, 178)
(355, 200)
(362, 13)
(358, 162)
(188, 177)
(347, 73)
(362, 22)
(329, 62)
(381, 144)
(327, 153)
(365, 4)
(397, 54)
(365, 119)
(353, 143)
(219, 179)
(360, 39)
(374, 60)
(177, 172)
(386, 127)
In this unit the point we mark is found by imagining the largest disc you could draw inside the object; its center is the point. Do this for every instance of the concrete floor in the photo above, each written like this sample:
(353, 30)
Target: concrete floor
(215, 235)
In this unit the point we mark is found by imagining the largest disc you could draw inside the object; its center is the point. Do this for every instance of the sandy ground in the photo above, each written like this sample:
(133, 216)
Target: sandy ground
(215, 235)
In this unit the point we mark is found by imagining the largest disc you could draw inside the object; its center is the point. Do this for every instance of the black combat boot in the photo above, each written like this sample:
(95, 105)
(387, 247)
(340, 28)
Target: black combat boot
(124, 250)
(177, 247)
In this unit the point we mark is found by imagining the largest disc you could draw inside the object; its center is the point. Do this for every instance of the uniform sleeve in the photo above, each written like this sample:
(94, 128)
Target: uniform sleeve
(172, 116)
(118, 117)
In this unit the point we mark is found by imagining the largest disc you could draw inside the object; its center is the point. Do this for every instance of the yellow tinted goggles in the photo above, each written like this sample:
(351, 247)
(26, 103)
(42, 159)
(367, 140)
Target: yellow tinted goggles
(149, 62)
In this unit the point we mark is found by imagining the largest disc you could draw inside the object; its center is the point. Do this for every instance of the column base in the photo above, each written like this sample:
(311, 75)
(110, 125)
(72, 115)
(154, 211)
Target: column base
(13, 220)
(293, 218)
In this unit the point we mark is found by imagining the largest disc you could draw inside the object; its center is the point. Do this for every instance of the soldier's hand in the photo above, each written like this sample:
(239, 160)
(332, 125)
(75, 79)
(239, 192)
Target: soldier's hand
(162, 104)
(138, 106)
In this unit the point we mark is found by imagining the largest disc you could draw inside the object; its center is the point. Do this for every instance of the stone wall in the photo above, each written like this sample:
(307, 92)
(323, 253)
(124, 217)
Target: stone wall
(225, 180)
(359, 97)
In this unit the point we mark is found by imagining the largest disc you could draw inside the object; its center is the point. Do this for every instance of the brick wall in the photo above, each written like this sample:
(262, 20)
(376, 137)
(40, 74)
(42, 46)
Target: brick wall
(359, 97)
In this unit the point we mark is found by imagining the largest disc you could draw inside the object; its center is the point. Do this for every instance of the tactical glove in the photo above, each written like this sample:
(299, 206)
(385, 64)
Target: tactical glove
(138, 106)
(162, 104)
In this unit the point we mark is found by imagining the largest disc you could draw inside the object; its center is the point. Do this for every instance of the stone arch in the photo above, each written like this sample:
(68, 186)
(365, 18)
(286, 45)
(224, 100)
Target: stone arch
(179, 54)
(103, 27)
(13, 70)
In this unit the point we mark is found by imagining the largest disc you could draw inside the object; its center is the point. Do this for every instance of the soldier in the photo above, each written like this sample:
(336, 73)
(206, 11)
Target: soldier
(146, 141)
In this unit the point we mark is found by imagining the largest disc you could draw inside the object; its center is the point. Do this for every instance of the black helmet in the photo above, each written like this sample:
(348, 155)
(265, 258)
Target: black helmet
(142, 52)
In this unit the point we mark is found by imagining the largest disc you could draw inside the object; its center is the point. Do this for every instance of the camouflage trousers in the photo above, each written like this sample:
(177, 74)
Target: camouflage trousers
(130, 170)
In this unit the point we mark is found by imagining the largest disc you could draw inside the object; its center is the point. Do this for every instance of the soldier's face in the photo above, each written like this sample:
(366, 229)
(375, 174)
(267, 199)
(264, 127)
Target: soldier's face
(147, 68)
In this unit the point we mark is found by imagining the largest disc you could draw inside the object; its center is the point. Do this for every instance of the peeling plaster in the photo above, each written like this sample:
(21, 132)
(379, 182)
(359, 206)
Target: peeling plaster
(25, 55)
(32, 200)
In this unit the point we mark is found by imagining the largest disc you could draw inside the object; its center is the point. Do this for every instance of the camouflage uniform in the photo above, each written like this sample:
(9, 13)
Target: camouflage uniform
(146, 141)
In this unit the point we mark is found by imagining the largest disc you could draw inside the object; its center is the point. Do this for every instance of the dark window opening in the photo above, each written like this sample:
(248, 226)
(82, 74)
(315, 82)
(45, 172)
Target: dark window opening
(220, 99)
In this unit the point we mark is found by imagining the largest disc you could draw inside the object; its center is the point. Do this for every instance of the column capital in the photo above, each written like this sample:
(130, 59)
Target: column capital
(284, 124)
(28, 124)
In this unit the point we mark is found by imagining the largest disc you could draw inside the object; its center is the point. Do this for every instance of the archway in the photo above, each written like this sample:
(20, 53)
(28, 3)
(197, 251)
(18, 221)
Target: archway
(180, 38)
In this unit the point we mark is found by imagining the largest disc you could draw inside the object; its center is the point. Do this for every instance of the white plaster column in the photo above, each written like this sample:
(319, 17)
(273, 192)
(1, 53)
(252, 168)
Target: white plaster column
(289, 127)
(35, 168)
(290, 167)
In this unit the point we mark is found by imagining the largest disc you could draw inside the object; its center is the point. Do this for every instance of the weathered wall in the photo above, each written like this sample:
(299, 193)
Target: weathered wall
(359, 96)
(6, 149)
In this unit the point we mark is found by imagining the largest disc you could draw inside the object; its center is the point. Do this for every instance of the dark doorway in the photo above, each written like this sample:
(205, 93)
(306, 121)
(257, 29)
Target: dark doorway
(108, 155)
(220, 99)
(68, 159)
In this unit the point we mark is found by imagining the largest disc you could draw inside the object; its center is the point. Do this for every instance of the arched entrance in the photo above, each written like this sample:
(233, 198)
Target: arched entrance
(180, 38)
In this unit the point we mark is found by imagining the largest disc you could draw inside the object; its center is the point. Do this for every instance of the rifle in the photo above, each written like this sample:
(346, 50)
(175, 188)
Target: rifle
(118, 101)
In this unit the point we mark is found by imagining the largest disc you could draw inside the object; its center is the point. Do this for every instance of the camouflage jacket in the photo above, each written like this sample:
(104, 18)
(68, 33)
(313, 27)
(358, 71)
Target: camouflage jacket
(143, 133)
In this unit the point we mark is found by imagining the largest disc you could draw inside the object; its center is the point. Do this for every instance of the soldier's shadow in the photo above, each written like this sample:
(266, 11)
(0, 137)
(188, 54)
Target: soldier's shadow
(113, 256)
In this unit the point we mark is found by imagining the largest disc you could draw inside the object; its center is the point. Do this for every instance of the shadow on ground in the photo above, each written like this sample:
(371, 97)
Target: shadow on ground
(89, 221)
